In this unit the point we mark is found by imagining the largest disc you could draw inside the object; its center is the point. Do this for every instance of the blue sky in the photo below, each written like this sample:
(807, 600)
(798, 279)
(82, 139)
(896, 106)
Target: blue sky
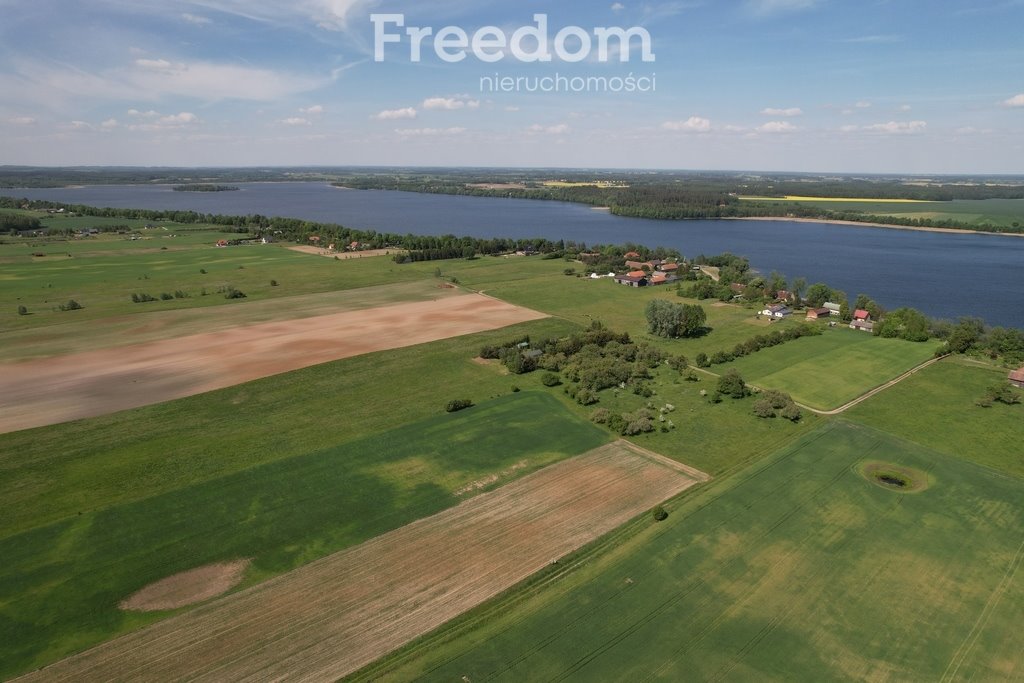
(890, 86)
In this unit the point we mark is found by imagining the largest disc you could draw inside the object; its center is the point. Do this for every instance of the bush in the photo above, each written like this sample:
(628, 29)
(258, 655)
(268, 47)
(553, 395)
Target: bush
(600, 416)
(142, 298)
(763, 408)
(273, 283)
(587, 397)
(691, 376)
(202, 271)
(702, 360)
(550, 379)
(71, 305)
(165, 296)
(179, 294)
(515, 389)
(659, 513)
(458, 404)
(22, 310)
(233, 293)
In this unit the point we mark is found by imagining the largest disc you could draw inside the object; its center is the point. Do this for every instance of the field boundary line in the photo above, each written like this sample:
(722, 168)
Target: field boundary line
(700, 476)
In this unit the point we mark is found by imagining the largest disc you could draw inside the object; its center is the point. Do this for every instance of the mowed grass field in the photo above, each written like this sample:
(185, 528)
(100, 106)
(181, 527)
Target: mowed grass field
(60, 583)
(975, 212)
(102, 273)
(828, 371)
(798, 569)
(936, 408)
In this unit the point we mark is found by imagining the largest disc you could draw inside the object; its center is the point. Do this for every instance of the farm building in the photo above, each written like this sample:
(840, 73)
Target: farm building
(833, 309)
(818, 313)
(1017, 378)
(777, 311)
(632, 280)
(863, 325)
(668, 267)
(662, 279)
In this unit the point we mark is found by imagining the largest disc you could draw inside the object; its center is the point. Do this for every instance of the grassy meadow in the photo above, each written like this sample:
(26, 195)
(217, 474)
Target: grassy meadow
(60, 583)
(830, 370)
(936, 408)
(796, 569)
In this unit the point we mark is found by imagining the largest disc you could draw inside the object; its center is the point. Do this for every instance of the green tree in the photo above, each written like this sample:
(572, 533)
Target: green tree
(732, 384)
(966, 335)
(818, 294)
(666, 319)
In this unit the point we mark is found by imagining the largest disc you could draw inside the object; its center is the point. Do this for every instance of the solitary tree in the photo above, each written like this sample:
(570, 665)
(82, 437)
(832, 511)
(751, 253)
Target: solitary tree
(732, 384)
(666, 319)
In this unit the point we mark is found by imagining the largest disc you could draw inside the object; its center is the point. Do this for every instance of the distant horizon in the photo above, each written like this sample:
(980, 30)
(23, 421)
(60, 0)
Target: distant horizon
(573, 169)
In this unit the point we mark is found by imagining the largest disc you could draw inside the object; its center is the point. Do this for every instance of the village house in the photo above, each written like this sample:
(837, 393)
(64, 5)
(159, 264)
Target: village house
(1016, 378)
(668, 267)
(862, 321)
(834, 309)
(777, 311)
(818, 313)
(634, 279)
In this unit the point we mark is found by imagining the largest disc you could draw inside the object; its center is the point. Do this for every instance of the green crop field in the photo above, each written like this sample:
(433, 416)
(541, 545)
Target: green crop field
(936, 408)
(60, 583)
(798, 569)
(975, 212)
(828, 371)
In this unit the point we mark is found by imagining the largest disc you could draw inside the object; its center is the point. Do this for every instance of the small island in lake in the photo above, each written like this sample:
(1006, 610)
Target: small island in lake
(205, 187)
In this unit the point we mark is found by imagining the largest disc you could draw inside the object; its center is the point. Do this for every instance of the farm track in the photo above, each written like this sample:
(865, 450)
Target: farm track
(335, 615)
(52, 390)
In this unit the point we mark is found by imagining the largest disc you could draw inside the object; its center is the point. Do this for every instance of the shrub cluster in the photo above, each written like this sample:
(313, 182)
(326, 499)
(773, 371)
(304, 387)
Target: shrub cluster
(1000, 393)
(458, 404)
(776, 403)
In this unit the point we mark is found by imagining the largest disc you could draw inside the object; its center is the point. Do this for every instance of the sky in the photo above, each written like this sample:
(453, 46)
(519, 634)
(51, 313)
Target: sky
(824, 86)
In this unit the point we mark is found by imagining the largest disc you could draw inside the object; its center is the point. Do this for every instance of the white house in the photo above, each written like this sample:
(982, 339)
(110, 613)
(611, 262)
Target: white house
(777, 311)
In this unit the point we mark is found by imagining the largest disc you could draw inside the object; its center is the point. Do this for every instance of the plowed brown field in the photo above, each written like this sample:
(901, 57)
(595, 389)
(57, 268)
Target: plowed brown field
(333, 616)
(52, 390)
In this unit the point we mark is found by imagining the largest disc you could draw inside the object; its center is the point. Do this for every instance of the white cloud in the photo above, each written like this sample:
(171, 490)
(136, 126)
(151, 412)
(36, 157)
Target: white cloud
(80, 125)
(694, 124)
(849, 128)
(143, 114)
(450, 103)
(618, 7)
(429, 131)
(875, 39)
(764, 7)
(863, 105)
(792, 111)
(157, 64)
(904, 108)
(296, 121)
(195, 19)
(315, 110)
(395, 114)
(897, 127)
(511, 108)
(109, 124)
(183, 118)
(22, 121)
(1015, 101)
(558, 129)
(777, 127)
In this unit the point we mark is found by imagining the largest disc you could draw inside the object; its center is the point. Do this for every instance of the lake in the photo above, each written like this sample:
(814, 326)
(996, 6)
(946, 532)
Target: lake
(945, 275)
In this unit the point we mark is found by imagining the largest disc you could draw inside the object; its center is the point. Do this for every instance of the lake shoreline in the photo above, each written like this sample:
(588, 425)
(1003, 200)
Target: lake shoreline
(890, 226)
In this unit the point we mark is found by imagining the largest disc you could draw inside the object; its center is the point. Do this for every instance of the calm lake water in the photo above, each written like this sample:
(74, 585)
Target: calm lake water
(944, 275)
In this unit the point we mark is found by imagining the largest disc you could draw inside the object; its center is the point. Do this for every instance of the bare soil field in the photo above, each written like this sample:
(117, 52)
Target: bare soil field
(187, 588)
(48, 391)
(335, 615)
(346, 255)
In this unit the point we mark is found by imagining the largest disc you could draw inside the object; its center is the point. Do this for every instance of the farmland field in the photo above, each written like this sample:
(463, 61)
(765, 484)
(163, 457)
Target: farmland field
(332, 616)
(936, 408)
(53, 390)
(976, 212)
(798, 569)
(830, 370)
(60, 583)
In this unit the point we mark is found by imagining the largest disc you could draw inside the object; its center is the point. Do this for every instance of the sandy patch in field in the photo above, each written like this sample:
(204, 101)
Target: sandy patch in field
(340, 613)
(187, 588)
(346, 255)
(52, 390)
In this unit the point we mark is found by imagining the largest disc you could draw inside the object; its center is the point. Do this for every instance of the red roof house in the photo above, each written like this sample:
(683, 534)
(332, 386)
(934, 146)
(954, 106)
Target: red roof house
(861, 315)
